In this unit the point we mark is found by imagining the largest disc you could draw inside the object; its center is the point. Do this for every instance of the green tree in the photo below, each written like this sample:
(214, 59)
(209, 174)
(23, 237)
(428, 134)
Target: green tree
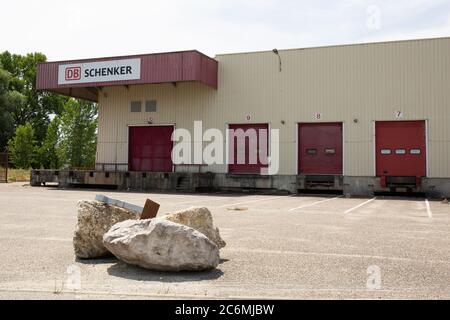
(10, 100)
(22, 147)
(48, 152)
(38, 105)
(78, 134)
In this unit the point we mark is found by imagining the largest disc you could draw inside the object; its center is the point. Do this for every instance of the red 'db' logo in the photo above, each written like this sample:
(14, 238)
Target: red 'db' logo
(73, 73)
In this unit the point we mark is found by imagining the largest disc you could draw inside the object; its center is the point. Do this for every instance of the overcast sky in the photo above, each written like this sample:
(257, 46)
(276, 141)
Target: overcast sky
(93, 28)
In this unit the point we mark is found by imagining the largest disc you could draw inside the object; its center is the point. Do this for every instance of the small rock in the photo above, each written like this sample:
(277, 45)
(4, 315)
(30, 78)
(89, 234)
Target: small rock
(161, 245)
(199, 219)
(94, 220)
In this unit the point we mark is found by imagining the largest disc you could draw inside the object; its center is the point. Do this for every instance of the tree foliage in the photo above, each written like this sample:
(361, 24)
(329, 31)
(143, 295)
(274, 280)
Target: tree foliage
(35, 107)
(78, 134)
(48, 152)
(22, 147)
(10, 100)
(42, 129)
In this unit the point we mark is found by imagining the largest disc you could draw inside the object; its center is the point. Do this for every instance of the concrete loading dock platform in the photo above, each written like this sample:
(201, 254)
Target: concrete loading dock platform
(384, 107)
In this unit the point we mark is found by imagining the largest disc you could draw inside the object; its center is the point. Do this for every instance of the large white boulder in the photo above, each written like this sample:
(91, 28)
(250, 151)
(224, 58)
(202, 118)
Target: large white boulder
(162, 245)
(94, 220)
(199, 219)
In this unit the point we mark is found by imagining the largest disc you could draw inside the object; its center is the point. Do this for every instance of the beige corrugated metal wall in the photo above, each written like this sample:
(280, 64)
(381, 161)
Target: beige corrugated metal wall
(367, 82)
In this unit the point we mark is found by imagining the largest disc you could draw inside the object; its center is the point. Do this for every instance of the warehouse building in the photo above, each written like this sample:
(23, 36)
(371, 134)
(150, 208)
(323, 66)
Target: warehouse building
(357, 119)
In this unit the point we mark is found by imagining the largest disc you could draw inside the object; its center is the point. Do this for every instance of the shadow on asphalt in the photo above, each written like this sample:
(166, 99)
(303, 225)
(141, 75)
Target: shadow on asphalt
(123, 270)
(104, 260)
(100, 189)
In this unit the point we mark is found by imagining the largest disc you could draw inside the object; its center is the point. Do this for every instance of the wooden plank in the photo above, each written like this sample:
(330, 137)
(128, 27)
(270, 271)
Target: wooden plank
(150, 210)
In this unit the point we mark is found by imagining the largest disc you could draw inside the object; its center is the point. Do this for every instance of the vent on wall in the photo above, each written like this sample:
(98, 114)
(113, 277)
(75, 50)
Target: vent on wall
(150, 106)
(136, 106)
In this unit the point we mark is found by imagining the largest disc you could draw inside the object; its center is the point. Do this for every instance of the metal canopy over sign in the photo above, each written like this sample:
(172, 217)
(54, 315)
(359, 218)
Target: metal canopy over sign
(86, 78)
(102, 71)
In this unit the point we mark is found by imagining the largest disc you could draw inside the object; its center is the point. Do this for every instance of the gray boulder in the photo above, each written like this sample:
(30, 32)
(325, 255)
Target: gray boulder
(199, 219)
(94, 220)
(161, 245)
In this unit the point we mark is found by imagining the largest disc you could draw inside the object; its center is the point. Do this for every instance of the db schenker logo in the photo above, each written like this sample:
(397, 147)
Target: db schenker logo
(73, 73)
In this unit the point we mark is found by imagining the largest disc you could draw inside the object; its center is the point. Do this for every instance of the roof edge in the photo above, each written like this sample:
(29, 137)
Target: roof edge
(337, 45)
(124, 57)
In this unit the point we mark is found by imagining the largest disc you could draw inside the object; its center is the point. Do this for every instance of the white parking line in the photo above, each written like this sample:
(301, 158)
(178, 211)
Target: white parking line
(427, 204)
(360, 205)
(314, 203)
(251, 201)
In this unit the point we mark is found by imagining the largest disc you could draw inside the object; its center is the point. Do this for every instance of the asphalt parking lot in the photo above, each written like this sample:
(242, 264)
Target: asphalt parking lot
(287, 247)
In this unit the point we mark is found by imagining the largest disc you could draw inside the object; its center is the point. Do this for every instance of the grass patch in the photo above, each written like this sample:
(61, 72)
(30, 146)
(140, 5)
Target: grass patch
(237, 209)
(18, 175)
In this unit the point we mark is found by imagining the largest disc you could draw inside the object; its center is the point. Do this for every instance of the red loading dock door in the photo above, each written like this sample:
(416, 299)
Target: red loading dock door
(400, 148)
(248, 150)
(150, 148)
(320, 148)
